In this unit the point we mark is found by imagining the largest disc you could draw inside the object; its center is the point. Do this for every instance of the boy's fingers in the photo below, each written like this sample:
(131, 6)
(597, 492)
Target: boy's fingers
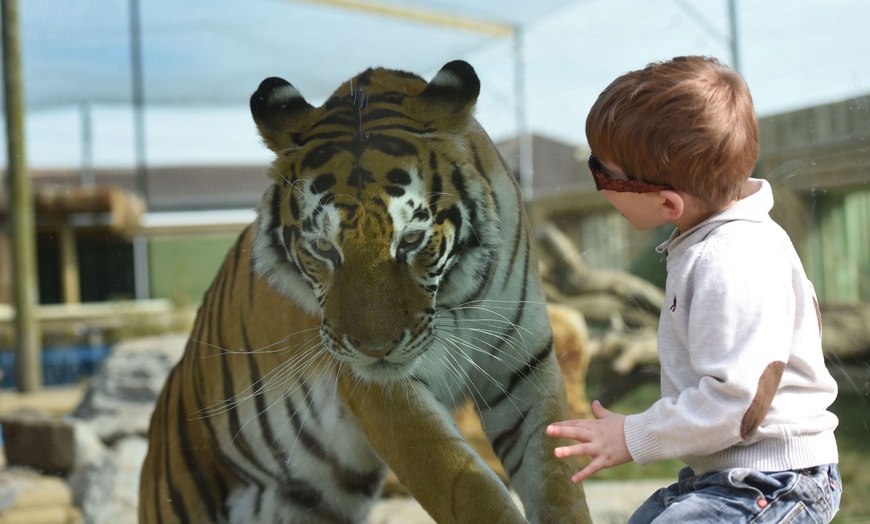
(571, 428)
(585, 473)
(569, 423)
(600, 411)
(581, 450)
(572, 432)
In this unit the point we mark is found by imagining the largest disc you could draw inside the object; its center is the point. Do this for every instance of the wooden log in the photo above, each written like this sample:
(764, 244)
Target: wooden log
(604, 309)
(101, 208)
(565, 270)
(27, 497)
(69, 264)
(846, 331)
(42, 515)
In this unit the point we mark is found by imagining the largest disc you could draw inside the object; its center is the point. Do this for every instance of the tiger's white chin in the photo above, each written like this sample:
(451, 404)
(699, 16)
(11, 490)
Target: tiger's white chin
(382, 370)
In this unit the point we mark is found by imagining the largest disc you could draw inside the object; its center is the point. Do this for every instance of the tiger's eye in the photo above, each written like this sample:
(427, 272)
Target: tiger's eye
(324, 245)
(412, 238)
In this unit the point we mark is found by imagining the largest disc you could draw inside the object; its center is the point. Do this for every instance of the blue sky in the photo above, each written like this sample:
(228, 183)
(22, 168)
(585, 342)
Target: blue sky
(204, 58)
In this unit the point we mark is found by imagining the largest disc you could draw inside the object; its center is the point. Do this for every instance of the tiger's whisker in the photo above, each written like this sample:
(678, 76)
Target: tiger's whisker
(251, 391)
(246, 352)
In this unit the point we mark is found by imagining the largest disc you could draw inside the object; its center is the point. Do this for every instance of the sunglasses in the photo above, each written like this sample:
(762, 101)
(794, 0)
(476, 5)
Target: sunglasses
(604, 180)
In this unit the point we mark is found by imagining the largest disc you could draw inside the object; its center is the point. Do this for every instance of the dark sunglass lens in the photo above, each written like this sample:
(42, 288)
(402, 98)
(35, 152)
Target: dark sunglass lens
(594, 164)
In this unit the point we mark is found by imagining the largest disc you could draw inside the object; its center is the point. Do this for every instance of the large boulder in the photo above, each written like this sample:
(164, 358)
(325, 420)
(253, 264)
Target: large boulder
(107, 490)
(122, 394)
(111, 425)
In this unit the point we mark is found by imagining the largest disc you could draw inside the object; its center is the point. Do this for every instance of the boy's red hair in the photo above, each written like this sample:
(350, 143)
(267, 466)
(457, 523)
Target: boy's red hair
(688, 123)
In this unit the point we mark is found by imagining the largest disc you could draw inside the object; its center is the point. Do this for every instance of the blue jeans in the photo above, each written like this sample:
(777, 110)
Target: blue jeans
(809, 495)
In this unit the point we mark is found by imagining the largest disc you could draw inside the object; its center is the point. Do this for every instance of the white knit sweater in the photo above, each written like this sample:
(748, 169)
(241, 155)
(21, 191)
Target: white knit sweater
(739, 312)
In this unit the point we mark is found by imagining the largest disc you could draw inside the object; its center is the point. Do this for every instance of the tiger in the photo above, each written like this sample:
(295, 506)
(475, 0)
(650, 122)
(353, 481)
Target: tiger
(388, 277)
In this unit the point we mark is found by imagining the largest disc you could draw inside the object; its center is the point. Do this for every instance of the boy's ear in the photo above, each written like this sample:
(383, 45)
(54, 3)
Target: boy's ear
(672, 205)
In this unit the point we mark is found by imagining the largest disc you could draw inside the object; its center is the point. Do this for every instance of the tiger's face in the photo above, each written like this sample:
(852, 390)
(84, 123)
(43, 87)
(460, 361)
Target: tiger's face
(378, 216)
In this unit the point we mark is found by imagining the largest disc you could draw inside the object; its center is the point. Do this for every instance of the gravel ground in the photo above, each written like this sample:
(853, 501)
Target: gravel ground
(610, 502)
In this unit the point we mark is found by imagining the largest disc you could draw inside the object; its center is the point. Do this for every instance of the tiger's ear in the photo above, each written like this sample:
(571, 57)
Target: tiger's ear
(280, 111)
(449, 98)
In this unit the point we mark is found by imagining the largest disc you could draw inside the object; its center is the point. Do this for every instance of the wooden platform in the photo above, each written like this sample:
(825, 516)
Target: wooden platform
(56, 400)
(115, 320)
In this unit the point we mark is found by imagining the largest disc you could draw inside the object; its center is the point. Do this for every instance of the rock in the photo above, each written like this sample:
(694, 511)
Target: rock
(123, 392)
(111, 424)
(107, 491)
(28, 497)
(90, 449)
(38, 440)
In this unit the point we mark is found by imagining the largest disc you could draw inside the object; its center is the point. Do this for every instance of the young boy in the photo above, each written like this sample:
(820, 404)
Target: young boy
(745, 391)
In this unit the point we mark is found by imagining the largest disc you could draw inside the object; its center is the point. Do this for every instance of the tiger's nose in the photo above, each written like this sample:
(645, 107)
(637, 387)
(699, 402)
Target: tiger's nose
(371, 349)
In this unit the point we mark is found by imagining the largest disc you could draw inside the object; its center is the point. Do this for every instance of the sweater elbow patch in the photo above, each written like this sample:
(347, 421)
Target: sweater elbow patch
(818, 315)
(768, 383)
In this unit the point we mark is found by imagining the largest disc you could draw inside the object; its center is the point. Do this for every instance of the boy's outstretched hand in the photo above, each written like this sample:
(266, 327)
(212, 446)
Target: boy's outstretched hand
(602, 440)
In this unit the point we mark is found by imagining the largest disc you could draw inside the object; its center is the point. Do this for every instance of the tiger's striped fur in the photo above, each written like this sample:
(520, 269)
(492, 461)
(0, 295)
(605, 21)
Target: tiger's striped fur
(389, 277)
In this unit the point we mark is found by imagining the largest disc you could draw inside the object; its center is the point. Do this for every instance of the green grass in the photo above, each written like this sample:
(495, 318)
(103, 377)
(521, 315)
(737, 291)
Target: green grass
(853, 436)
